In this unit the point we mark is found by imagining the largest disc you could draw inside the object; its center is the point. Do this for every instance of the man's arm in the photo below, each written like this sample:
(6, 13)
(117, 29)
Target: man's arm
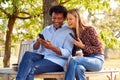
(47, 44)
(56, 50)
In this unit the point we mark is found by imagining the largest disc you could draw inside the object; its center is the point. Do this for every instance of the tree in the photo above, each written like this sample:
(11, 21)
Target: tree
(12, 17)
(46, 7)
(16, 12)
(108, 27)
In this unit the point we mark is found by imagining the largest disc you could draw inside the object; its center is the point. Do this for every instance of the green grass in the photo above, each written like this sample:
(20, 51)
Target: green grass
(109, 64)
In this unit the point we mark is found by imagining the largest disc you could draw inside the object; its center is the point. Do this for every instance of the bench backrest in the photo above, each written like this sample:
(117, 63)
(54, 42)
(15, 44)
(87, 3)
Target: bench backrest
(24, 46)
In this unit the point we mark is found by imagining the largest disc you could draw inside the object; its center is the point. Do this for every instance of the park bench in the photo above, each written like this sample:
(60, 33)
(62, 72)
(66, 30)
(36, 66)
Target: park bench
(10, 74)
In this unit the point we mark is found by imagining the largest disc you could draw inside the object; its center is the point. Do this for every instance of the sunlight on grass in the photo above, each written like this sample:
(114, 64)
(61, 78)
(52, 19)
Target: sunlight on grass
(109, 64)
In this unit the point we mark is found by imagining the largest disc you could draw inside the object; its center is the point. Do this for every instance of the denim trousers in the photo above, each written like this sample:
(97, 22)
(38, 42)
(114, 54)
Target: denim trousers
(79, 64)
(34, 63)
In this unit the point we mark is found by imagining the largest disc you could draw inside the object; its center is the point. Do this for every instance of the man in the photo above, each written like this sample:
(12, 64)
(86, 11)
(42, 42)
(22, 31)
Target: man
(51, 54)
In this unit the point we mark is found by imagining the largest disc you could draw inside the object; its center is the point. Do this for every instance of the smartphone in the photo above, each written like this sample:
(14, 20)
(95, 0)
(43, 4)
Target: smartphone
(41, 36)
(73, 36)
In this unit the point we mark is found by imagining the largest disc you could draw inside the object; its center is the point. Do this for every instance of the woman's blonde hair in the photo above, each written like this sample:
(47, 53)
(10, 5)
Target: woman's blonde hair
(81, 23)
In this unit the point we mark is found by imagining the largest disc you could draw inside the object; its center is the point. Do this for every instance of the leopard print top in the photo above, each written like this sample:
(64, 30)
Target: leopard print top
(90, 38)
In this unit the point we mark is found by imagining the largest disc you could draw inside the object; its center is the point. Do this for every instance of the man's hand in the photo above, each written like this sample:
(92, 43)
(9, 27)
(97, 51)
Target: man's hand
(46, 43)
(37, 44)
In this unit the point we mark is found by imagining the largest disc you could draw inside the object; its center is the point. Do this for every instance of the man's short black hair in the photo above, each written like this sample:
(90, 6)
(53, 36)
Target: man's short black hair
(58, 9)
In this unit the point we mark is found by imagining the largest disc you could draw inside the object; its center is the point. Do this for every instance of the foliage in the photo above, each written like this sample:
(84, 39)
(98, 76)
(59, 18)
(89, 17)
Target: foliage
(22, 10)
(90, 5)
(34, 8)
(108, 39)
(27, 29)
(29, 8)
(109, 26)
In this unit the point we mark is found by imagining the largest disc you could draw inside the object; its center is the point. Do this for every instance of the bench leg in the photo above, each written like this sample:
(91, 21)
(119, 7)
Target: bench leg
(5, 77)
(11, 78)
(87, 78)
(112, 76)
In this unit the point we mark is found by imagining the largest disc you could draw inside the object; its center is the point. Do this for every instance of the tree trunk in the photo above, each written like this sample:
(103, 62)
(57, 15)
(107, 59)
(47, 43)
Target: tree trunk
(7, 54)
(47, 4)
(106, 53)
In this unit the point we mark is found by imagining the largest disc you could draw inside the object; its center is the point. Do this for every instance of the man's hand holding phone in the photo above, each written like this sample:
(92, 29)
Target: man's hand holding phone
(39, 41)
(46, 43)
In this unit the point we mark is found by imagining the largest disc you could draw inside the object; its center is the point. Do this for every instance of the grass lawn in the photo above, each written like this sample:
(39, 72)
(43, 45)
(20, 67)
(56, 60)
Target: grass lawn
(110, 63)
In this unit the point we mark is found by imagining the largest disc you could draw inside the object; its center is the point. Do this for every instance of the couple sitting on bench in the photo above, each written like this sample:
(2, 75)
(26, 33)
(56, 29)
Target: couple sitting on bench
(51, 53)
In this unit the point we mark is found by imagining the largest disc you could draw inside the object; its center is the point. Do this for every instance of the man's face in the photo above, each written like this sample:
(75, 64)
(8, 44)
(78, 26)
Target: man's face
(57, 19)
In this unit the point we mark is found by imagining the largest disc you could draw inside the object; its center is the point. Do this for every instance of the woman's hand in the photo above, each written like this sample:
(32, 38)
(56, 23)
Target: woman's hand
(79, 43)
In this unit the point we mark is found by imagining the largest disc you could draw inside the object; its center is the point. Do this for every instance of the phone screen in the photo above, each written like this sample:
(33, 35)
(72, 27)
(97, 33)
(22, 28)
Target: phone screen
(73, 36)
(41, 36)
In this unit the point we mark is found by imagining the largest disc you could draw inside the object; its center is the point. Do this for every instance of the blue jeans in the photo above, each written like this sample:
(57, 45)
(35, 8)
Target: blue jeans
(78, 65)
(33, 63)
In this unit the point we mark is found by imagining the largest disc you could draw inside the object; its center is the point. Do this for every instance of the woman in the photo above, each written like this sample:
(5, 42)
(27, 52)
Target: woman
(89, 42)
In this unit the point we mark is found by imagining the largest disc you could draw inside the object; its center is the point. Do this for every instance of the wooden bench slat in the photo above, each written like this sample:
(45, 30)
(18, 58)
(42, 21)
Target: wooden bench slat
(13, 73)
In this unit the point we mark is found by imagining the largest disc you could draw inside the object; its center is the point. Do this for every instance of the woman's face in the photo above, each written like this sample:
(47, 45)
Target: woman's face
(71, 20)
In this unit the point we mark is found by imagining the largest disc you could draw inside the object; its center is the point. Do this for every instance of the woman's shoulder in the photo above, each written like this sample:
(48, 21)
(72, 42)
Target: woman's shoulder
(90, 28)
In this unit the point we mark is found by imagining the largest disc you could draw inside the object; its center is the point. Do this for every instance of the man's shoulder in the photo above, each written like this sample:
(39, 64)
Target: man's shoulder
(48, 27)
(67, 28)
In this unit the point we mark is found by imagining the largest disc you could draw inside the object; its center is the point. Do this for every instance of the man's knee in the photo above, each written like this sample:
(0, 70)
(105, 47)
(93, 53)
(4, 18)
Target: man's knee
(27, 55)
